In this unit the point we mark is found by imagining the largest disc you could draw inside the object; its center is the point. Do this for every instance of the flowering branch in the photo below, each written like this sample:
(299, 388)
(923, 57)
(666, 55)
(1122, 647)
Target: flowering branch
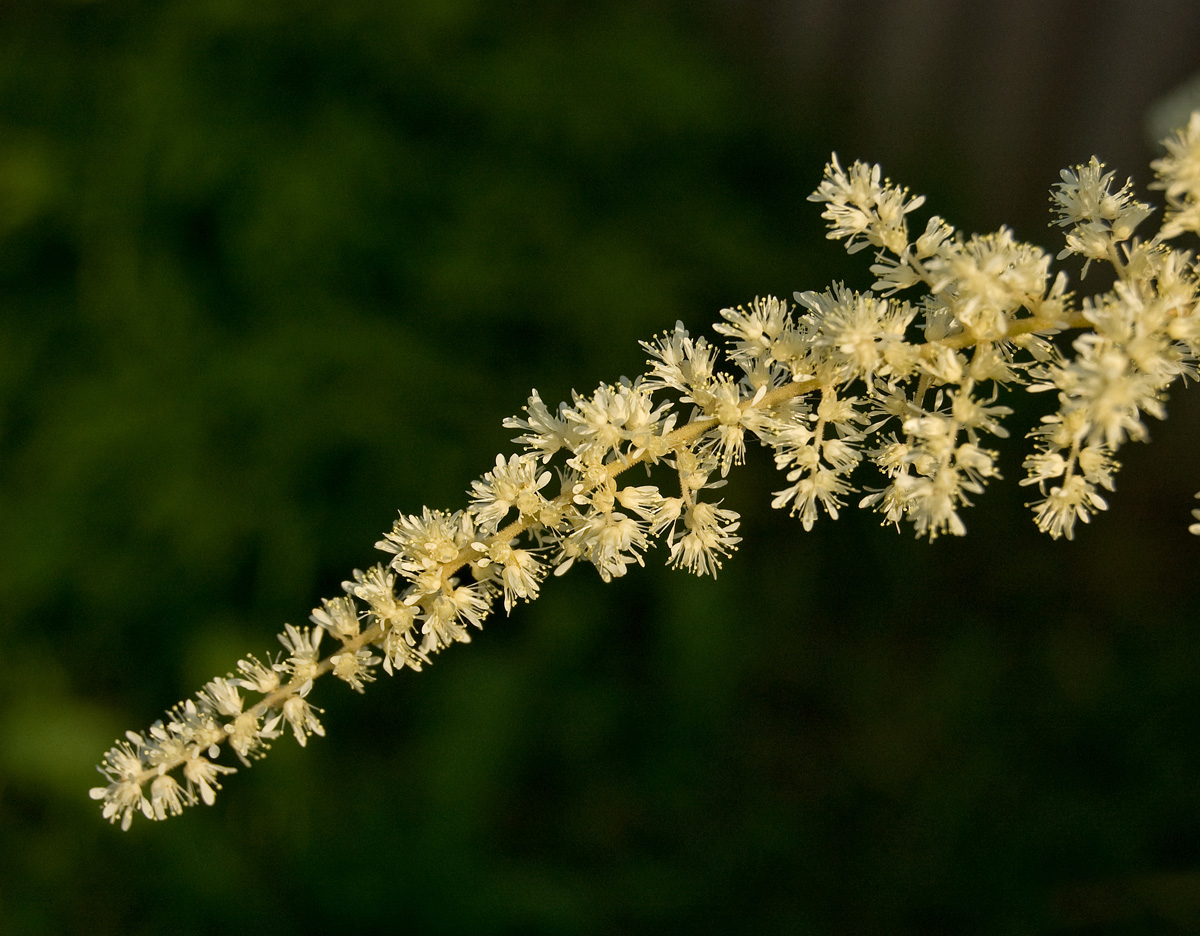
(910, 385)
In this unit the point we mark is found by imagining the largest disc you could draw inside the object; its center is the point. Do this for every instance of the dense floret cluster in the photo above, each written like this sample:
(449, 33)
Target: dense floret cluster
(905, 376)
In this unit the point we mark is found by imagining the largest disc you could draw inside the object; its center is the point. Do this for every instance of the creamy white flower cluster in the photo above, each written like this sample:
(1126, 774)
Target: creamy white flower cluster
(909, 385)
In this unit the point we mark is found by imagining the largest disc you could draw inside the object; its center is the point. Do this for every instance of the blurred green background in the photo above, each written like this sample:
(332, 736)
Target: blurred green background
(273, 271)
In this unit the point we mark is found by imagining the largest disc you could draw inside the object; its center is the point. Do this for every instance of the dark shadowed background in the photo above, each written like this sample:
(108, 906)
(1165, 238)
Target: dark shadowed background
(272, 271)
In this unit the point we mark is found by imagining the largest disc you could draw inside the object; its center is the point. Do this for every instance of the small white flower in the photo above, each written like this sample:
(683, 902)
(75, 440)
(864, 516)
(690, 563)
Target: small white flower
(755, 330)
(929, 502)
(810, 488)
(1042, 466)
(302, 645)
(167, 797)
(302, 717)
(860, 205)
(222, 696)
(400, 650)
(339, 616)
(121, 800)
(545, 433)
(728, 444)
(353, 667)
(126, 771)
(1178, 174)
(709, 536)
(1100, 217)
(521, 573)
(202, 774)
(611, 541)
(679, 363)
(248, 737)
(256, 676)
(516, 482)
(1075, 500)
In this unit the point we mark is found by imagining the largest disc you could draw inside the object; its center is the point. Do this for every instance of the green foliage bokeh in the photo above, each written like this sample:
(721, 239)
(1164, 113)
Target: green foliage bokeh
(273, 271)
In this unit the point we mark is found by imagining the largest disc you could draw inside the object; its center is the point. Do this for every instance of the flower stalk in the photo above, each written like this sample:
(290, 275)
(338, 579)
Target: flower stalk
(905, 377)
